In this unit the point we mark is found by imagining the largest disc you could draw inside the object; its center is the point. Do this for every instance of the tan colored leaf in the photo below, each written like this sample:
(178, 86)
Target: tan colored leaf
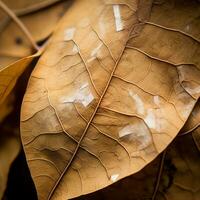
(7, 60)
(9, 149)
(8, 78)
(27, 6)
(14, 43)
(105, 98)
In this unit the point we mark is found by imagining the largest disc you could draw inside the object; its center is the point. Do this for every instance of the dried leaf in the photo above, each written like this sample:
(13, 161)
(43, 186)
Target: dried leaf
(105, 98)
(27, 6)
(9, 149)
(8, 78)
(14, 43)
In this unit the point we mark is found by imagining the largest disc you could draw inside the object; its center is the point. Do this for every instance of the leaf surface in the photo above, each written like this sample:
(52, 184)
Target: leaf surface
(106, 97)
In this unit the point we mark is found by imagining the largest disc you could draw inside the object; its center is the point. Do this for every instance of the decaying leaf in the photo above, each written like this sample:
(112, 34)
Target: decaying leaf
(9, 149)
(109, 94)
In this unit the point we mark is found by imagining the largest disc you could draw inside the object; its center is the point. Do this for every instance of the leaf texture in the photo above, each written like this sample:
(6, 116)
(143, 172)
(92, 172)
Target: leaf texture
(106, 97)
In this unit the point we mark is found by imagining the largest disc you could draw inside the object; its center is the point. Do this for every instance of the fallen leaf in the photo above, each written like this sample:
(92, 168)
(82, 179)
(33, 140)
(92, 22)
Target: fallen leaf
(27, 6)
(8, 78)
(14, 43)
(193, 121)
(105, 98)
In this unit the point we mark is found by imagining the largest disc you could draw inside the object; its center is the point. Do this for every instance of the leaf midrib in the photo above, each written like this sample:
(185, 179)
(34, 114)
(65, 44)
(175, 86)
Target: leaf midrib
(91, 118)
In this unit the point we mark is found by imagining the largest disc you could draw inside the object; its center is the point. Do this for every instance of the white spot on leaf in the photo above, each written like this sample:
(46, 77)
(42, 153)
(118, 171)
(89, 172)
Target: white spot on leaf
(75, 49)
(95, 51)
(137, 132)
(82, 95)
(91, 59)
(118, 21)
(114, 177)
(69, 34)
(150, 119)
(156, 100)
(138, 102)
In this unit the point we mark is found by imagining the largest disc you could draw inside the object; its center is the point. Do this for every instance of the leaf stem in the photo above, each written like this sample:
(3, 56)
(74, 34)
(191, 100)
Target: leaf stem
(19, 23)
(159, 174)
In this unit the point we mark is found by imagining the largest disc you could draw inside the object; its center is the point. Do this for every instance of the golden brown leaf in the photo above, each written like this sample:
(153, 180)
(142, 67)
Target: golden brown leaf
(8, 78)
(14, 43)
(27, 6)
(104, 100)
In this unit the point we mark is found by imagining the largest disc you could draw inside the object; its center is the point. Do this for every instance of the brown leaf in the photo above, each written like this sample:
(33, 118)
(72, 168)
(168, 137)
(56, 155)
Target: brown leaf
(9, 149)
(14, 43)
(106, 97)
(8, 78)
(27, 6)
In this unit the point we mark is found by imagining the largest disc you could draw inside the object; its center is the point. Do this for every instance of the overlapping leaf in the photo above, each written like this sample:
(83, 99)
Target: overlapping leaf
(13, 42)
(8, 78)
(109, 94)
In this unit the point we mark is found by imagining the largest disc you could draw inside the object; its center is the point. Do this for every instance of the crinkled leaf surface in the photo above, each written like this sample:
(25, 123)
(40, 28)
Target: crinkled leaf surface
(107, 96)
